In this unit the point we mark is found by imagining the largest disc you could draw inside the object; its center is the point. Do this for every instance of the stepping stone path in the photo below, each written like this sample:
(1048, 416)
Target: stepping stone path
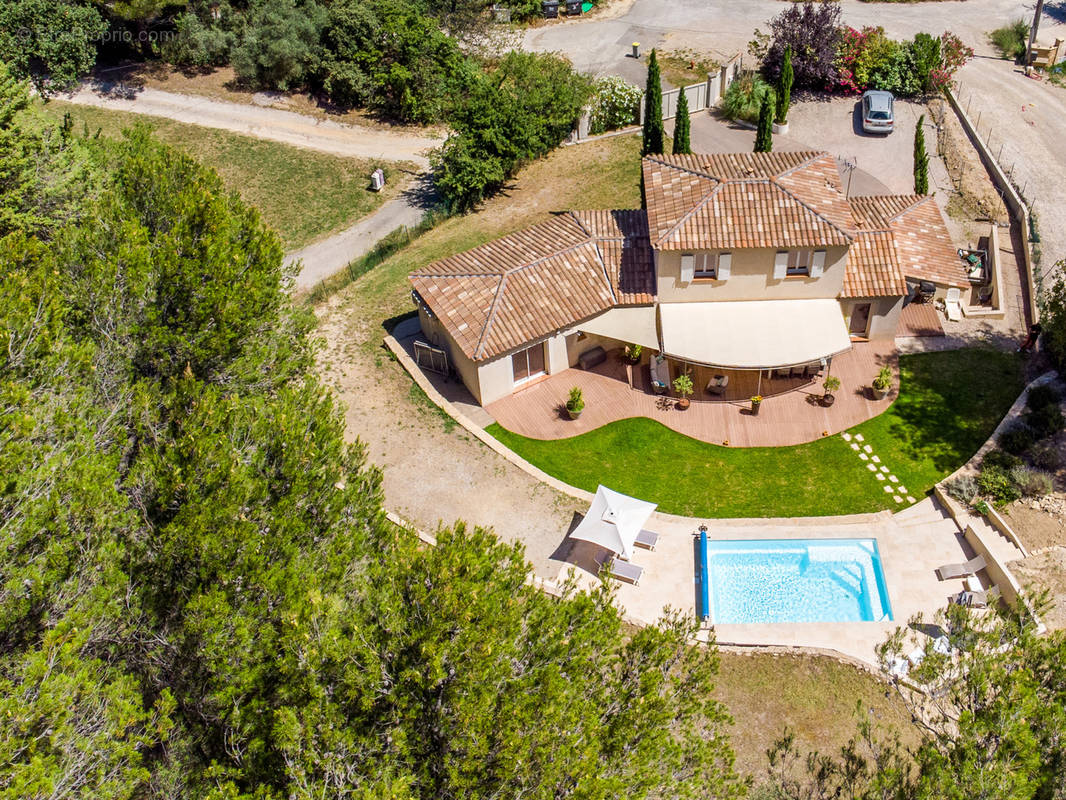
(873, 463)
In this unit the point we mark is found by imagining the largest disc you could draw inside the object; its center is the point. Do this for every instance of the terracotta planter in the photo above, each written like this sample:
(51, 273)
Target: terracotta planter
(573, 414)
(683, 403)
(879, 394)
(828, 400)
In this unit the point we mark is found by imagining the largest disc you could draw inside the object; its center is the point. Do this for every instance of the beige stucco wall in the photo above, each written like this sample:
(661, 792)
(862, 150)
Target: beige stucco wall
(495, 379)
(884, 314)
(576, 346)
(435, 334)
(751, 278)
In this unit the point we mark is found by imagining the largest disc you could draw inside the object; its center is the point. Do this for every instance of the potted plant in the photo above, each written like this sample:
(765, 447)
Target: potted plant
(756, 401)
(882, 383)
(575, 404)
(633, 353)
(683, 388)
(830, 384)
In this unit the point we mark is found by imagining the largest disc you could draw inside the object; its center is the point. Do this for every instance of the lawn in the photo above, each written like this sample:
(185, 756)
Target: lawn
(302, 194)
(685, 67)
(949, 403)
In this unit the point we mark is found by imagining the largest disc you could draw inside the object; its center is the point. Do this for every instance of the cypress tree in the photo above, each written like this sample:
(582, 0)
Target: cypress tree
(784, 87)
(921, 160)
(764, 136)
(653, 110)
(682, 126)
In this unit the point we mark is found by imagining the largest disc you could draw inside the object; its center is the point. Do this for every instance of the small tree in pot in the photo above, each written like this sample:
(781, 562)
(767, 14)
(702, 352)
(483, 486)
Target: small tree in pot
(683, 388)
(633, 353)
(830, 384)
(882, 383)
(575, 404)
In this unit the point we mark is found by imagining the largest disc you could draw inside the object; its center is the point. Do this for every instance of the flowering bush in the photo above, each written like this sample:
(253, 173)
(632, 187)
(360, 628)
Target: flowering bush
(868, 59)
(615, 104)
(953, 55)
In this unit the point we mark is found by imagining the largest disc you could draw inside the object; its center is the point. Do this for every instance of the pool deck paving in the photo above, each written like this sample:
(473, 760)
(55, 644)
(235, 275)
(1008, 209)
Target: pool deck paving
(912, 544)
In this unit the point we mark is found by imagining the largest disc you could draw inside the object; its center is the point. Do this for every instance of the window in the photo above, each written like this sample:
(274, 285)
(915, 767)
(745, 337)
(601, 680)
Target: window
(706, 266)
(528, 363)
(799, 262)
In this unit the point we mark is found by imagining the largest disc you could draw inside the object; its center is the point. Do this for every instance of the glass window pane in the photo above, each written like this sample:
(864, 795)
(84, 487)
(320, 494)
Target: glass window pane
(536, 359)
(520, 366)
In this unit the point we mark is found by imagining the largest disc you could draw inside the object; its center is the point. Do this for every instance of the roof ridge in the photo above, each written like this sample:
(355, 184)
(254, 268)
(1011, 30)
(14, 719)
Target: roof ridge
(813, 156)
(910, 207)
(813, 210)
(603, 271)
(689, 170)
(688, 215)
(573, 215)
(554, 254)
(491, 317)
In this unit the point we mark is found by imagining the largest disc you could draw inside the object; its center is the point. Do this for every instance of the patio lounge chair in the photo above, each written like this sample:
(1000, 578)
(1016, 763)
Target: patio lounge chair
(717, 384)
(953, 304)
(592, 358)
(617, 568)
(975, 599)
(647, 539)
(950, 571)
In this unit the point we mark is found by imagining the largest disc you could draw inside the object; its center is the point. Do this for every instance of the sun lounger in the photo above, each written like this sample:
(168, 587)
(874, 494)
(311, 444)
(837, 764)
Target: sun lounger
(647, 540)
(950, 571)
(953, 305)
(622, 570)
(975, 599)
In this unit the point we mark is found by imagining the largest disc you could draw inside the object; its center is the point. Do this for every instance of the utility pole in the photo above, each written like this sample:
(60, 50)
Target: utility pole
(1032, 36)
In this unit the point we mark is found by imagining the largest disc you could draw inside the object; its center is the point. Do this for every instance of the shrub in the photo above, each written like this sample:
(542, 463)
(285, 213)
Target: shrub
(1017, 438)
(1011, 40)
(996, 484)
(1045, 455)
(812, 30)
(575, 403)
(998, 458)
(1046, 422)
(683, 385)
(1041, 396)
(615, 104)
(196, 44)
(280, 45)
(1031, 482)
(744, 98)
(962, 488)
(883, 379)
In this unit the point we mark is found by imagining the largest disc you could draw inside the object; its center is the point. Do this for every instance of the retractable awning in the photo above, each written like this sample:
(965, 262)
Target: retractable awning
(634, 324)
(754, 334)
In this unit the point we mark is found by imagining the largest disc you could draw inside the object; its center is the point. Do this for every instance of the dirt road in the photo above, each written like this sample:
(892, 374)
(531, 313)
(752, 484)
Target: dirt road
(264, 123)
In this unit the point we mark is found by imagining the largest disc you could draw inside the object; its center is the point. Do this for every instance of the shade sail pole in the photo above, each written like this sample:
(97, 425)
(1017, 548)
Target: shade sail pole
(759, 390)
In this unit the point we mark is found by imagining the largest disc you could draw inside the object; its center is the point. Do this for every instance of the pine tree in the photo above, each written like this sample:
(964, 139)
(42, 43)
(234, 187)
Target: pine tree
(784, 87)
(653, 110)
(921, 160)
(682, 126)
(764, 136)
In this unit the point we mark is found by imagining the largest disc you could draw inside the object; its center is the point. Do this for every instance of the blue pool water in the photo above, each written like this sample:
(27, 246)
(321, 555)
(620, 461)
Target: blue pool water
(797, 580)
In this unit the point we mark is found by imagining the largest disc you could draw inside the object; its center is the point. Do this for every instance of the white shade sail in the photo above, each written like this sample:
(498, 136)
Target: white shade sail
(754, 334)
(613, 521)
(634, 324)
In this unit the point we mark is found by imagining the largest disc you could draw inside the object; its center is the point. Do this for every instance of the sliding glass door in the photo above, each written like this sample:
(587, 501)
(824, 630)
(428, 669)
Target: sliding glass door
(528, 363)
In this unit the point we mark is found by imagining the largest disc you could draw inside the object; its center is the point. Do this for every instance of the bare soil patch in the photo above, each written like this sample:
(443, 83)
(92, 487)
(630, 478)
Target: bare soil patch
(1046, 572)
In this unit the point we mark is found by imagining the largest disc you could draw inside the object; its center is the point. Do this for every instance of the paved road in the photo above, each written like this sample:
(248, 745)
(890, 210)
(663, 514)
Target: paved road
(274, 124)
(724, 27)
(324, 258)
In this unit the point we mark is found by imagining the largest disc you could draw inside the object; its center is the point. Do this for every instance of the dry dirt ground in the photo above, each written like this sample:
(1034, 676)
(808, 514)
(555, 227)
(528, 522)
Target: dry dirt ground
(1046, 572)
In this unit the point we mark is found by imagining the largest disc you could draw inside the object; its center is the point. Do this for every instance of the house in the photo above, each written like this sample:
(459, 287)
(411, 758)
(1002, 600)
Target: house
(741, 262)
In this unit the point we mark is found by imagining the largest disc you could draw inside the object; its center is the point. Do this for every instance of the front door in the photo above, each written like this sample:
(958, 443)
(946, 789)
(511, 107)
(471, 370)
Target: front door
(528, 363)
(860, 319)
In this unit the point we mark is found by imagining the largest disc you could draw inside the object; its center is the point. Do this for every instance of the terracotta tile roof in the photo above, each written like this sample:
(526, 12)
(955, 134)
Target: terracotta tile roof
(746, 200)
(923, 245)
(873, 267)
(506, 293)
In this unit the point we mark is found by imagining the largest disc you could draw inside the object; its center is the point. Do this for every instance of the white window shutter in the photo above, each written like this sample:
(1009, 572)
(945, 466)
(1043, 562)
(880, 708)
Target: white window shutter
(687, 265)
(780, 265)
(818, 264)
(725, 261)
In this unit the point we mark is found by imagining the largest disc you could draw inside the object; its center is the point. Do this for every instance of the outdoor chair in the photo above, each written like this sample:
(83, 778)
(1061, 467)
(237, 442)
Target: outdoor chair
(951, 571)
(797, 372)
(647, 539)
(658, 372)
(617, 568)
(953, 304)
(717, 384)
(782, 373)
(975, 599)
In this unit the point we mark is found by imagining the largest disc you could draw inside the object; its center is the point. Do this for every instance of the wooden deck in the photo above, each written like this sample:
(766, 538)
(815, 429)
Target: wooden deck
(790, 413)
(919, 319)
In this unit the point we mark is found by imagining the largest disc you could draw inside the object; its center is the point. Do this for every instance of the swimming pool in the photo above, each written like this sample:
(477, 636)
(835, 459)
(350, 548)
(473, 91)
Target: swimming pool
(797, 580)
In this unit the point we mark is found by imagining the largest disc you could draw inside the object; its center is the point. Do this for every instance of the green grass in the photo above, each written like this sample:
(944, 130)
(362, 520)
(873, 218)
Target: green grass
(949, 404)
(1011, 40)
(300, 193)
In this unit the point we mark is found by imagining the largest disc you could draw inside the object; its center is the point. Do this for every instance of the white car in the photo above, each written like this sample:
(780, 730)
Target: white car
(878, 115)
